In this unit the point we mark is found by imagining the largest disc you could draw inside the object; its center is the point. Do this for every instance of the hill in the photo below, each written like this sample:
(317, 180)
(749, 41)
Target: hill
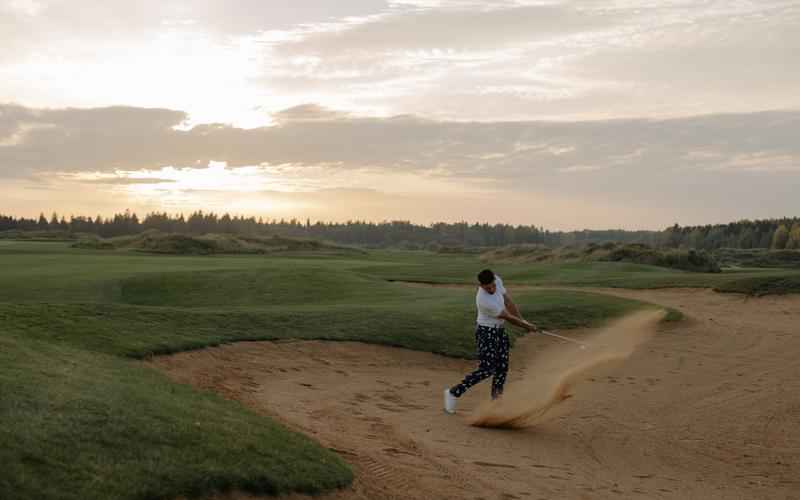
(210, 244)
(45, 235)
(687, 260)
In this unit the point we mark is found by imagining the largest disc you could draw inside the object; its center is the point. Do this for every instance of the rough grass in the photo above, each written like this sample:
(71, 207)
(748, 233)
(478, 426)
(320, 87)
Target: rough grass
(760, 286)
(16, 234)
(209, 244)
(758, 257)
(80, 418)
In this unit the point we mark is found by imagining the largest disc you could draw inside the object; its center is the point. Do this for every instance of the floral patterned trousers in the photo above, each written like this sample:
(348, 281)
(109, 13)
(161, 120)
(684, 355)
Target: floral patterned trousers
(493, 346)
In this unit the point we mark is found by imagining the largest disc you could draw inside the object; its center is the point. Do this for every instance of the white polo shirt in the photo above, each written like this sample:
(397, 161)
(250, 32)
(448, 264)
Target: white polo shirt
(490, 305)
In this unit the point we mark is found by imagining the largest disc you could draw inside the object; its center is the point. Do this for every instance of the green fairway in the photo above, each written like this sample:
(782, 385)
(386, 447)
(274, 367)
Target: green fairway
(81, 418)
(430, 268)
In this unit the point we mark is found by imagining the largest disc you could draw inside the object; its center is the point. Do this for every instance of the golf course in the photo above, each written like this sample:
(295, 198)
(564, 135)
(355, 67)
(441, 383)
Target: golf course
(133, 375)
(399, 250)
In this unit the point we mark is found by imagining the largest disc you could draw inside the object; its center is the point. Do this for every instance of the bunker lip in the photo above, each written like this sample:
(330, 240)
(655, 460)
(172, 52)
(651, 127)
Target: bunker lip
(702, 409)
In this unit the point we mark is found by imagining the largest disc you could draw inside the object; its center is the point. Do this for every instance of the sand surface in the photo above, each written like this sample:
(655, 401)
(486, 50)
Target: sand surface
(706, 409)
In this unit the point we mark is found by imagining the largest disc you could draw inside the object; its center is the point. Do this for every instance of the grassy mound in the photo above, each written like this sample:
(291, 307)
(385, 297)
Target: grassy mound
(758, 257)
(16, 234)
(685, 260)
(209, 244)
(79, 425)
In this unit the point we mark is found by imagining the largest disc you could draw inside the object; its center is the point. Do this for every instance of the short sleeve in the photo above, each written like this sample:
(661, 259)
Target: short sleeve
(499, 282)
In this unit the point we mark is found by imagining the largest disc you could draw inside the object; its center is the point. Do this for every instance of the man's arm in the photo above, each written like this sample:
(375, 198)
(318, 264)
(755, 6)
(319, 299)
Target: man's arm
(515, 320)
(511, 307)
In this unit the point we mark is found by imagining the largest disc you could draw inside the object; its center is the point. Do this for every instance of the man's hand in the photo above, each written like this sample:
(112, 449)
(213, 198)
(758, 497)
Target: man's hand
(531, 327)
(517, 321)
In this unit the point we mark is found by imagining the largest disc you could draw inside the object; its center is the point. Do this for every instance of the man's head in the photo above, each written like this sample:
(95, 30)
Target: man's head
(486, 281)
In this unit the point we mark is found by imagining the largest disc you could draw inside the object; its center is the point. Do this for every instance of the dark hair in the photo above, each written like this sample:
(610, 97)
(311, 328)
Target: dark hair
(486, 277)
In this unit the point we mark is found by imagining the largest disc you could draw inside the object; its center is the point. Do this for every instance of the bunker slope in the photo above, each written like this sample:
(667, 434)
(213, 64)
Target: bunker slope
(707, 409)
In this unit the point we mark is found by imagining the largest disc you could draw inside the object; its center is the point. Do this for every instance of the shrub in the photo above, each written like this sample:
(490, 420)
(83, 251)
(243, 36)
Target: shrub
(758, 257)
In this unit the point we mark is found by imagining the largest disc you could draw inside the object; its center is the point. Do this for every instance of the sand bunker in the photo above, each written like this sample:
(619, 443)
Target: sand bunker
(707, 408)
(549, 376)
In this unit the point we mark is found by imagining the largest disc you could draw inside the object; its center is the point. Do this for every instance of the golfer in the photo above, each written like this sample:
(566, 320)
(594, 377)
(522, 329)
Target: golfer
(494, 308)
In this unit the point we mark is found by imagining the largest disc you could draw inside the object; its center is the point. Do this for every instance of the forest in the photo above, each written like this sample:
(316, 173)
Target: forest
(746, 234)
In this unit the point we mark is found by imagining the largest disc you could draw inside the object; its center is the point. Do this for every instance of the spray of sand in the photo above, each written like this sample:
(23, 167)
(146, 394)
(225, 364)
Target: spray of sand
(550, 376)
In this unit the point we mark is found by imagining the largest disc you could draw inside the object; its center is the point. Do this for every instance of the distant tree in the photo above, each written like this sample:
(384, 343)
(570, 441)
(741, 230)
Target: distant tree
(765, 239)
(673, 236)
(780, 238)
(747, 238)
(42, 223)
(226, 224)
(793, 240)
(696, 238)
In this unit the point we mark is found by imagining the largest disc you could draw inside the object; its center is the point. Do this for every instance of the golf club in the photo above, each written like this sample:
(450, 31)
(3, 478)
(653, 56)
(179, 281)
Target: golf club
(551, 334)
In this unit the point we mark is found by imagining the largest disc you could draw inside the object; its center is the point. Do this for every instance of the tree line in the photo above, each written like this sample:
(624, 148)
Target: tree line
(772, 233)
(356, 232)
(776, 234)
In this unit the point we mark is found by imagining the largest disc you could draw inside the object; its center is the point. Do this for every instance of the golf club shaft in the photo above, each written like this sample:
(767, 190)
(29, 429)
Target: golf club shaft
(545, 332)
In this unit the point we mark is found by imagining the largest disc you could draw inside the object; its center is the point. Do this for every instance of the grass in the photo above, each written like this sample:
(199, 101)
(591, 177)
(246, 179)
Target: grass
(461, 269)
(80, 425)
(440, 326)
(179, 244)
(758, 257)
(81, 418)
(760, 286)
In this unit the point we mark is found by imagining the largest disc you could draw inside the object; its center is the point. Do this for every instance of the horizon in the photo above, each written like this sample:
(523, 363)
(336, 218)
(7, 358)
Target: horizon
(568, 114)
(264, 220)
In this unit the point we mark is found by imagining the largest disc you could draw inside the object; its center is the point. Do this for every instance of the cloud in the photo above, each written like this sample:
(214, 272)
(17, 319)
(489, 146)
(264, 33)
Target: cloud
(127, 181)
(702, 168)
(308, 113)
(709, 168)
(79, 140)
(442, 59)
(451, 28)
(52, 20)
(124, 138)
(567, 60)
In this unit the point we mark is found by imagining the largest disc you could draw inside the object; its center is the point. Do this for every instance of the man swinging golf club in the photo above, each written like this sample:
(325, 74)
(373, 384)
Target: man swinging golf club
(494, 308)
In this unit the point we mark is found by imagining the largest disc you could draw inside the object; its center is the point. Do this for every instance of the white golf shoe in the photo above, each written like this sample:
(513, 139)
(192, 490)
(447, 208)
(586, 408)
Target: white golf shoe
(449, 401)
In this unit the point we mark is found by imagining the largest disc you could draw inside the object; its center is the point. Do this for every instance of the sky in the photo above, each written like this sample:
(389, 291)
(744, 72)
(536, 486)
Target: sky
(632, 114)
